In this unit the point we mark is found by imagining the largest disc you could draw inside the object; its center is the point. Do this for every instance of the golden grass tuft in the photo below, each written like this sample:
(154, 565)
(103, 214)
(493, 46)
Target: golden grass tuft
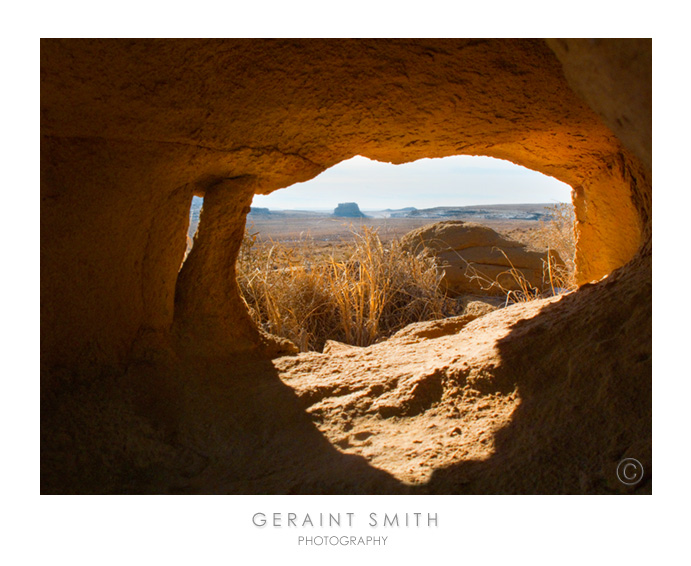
(371, 294)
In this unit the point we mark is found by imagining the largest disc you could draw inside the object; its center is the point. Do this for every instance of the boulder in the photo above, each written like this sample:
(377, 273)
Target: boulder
(476, 258)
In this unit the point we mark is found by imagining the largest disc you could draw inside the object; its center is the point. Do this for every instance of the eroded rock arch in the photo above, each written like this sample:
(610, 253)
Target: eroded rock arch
(131, 130)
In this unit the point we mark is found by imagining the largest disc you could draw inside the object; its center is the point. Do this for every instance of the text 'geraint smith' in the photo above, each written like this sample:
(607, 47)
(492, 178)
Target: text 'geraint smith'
(280, 520)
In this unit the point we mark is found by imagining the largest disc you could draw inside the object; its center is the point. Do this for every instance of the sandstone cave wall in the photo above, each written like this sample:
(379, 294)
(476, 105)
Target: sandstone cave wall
(132, 129)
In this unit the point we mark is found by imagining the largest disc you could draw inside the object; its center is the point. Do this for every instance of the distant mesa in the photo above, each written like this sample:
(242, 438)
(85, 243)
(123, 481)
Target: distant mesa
(401, 212)
(259, 211)
(348, 210)
(485, 212)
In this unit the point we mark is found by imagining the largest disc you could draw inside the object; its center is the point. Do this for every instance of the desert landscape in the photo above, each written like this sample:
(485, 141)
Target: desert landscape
(315, 276)
(287, 226)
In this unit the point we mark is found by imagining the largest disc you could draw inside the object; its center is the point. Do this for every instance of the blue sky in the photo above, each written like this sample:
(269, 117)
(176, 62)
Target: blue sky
(452, 181)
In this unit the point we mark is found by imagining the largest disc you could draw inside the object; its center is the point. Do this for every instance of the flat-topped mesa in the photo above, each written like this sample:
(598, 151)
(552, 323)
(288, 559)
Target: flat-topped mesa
(348, 210)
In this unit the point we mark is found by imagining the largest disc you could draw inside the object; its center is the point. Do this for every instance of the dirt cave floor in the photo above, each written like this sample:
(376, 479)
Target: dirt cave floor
(452, 406)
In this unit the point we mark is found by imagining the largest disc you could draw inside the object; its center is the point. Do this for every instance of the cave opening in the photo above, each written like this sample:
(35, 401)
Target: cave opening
(367, 248)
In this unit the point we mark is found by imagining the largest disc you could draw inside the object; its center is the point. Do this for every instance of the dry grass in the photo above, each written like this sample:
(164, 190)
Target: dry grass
(364, 290)
(377, 290)
(556, 235)
(522, 290)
